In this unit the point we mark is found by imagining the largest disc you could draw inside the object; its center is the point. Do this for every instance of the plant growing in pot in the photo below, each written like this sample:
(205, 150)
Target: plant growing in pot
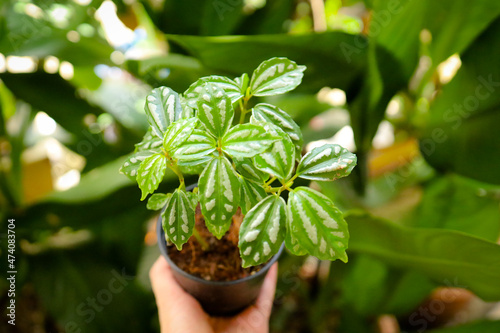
(246, 171)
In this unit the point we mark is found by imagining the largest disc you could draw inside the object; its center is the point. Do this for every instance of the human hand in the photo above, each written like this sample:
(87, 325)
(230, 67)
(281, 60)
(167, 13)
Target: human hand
(180, 312)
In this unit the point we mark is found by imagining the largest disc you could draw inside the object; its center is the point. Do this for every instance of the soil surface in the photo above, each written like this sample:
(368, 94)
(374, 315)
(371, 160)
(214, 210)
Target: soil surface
(221, 262)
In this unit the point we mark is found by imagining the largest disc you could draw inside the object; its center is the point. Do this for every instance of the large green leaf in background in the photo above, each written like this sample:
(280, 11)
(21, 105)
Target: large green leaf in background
(320, 53)
(395, 30)
(457, 203)
(462, 135)
(443, 255)
(69, 110)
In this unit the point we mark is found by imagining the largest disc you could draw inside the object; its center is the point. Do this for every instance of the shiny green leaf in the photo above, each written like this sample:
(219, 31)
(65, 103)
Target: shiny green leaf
(247, 140)
(150, 173)
(276, 76)
(215, 110)
(178, 133)
(178, 218)
(317, 225)
(163, 107)
(276, 116)
(158, 200)
(230, 87)
(279, 160)
(262, 231)
(328, 162)
(198, 145)
(251, 194)
(219, 195)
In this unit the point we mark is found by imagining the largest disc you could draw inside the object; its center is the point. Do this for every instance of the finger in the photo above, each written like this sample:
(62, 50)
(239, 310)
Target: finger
(266, 297)
(163, 283)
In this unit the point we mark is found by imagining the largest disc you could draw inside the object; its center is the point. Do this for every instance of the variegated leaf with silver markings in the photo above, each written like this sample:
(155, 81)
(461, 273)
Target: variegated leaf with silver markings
(178, 218)
(219, 195)
(251, 194)
(195, 166)
(326, 163)
(246, 168)
(276, 76)
(157, 201)
(243, 82)
(247, 140)
(163, 107)
(279, 160)
(232, 89)
(179, 132)
(132, 163)
(198, 145)
(262, 231)
(317, 225)
(150, 173)
(274, 115)
(215, 110)
(291, 243)
(149, 142)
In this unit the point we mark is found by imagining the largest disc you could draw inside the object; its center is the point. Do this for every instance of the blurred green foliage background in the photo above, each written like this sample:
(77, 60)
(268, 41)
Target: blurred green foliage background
(411, 86)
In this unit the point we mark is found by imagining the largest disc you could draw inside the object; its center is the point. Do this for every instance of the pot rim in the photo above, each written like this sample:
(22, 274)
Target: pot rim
(163, 249)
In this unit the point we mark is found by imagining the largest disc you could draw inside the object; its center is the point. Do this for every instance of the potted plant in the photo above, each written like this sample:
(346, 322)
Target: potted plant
(250, 165)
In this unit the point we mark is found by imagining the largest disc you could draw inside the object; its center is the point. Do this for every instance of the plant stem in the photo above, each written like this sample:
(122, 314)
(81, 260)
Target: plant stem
(243, 111)
(203, 242)
(270, 181)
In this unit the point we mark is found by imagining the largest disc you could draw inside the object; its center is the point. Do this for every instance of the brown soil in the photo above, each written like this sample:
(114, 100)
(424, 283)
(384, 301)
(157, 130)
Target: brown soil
(221, 262)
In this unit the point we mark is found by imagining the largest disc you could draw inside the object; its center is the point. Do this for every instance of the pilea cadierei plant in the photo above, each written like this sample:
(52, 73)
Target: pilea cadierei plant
(239, 165)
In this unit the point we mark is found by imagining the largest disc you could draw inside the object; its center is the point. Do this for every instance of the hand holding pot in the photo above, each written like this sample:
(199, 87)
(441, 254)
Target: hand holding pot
(180, 312)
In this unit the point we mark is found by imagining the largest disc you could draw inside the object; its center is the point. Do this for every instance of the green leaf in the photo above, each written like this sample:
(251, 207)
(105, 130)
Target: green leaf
(247, 140)
(149, 142)
(232, 89)
(243, 82)
(251, 194)
(158, 200)
(274, 115)
(198, 145)
(215, 110)
(324, 55)
(262, 231)
(317, 225)
(276, 76)
(462, 132)
(178, 133)
(193, 199)
(219, 195)
(280, 159)
(163, 107)
(133, 162)
(195, 166)
(247, 169)
(443, 255)
(178, 218)
(328, 162)
(150, 173)
(291, 242)
(457, 203)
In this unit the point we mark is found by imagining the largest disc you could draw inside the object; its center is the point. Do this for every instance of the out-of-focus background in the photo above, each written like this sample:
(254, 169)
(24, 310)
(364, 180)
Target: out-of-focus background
(411, 86)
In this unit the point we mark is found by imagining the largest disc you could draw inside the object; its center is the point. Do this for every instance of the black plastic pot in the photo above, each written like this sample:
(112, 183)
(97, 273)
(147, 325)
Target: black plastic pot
(218, 298)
